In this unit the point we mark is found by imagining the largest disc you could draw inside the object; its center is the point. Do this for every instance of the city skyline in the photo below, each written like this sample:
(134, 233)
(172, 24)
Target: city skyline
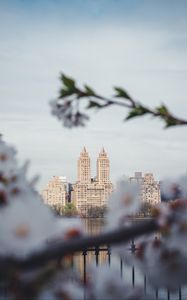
(93, 169)
(93, 191)
(88, 191)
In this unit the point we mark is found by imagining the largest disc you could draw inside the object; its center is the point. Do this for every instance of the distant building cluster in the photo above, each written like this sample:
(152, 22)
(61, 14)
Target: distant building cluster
(90, 192)
(150, 188)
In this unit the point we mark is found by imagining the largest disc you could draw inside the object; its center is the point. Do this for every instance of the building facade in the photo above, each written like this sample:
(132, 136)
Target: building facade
(150, 188)
(103, 168)
(55, 192)
(84, 167)
(92, 192)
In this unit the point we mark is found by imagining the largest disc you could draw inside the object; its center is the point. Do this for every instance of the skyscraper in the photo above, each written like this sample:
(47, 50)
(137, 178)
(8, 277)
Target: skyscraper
(92, 192)
(103, 167)
(84, 168)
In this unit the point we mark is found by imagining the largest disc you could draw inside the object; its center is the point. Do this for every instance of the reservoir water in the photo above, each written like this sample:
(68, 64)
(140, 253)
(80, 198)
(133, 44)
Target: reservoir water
(129, 274)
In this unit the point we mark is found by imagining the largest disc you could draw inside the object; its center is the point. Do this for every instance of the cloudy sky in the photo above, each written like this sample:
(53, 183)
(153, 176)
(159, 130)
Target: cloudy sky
(140, 45)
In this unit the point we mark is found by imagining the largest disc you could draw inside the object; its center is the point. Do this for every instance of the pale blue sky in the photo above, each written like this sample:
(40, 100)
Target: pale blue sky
(140, 45)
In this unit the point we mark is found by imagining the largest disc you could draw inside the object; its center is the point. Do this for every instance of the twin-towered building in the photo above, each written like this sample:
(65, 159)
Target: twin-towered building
(88, 191)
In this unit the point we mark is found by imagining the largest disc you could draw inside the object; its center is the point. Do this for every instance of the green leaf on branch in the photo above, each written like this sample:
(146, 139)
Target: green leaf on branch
(68, 82)
(121, 93)
(163, 110)
(94, 104)
(136, 112)
(68, 86)
(64, 93)
(171, 122)
(89, 91)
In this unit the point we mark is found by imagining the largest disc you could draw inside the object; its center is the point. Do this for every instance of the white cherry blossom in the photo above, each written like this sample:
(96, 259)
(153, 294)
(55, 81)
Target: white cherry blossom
(123, 204)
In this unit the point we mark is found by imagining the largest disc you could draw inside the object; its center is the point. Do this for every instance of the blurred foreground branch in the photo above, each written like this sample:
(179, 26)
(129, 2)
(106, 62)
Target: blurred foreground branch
(56, 250)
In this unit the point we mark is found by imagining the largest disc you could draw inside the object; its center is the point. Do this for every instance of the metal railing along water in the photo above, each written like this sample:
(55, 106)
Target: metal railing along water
(104, 254)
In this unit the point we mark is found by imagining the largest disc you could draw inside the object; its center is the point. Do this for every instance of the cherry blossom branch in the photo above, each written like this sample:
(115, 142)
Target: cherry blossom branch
(57, 250)
(67, 106)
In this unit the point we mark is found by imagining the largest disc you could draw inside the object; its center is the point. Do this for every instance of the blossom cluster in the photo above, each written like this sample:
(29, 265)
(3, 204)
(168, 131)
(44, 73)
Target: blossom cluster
(26, 224)
(162, 257)
(103, 283)
(123, 204)
(172, 189)
(67, 112)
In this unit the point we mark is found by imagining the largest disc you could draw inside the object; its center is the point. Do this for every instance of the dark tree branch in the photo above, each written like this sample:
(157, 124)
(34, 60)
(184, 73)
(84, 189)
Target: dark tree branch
(57, 250)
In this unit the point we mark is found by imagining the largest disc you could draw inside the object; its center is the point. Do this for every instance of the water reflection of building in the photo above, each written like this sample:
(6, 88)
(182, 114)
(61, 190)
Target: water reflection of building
(91, 257)
(85, 259)
(91, 192)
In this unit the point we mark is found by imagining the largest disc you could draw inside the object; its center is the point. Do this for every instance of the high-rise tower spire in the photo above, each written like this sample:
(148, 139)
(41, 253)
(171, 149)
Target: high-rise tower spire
(84, 169)
(103, 167)
(103, 150)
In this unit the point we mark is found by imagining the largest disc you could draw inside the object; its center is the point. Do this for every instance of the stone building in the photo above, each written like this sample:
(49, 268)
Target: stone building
(92, 192)
(84, 167)
(150, 188)
(55, 192)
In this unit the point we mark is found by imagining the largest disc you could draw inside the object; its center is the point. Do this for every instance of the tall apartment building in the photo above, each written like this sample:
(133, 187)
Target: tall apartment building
(92, 192)
(103, 167)
(83, 167)
(55, 192)
(150, 188)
